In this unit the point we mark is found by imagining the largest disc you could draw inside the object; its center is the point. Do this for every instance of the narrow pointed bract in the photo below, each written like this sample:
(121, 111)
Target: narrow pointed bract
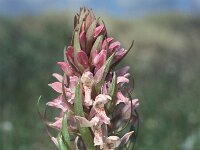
(91, 97)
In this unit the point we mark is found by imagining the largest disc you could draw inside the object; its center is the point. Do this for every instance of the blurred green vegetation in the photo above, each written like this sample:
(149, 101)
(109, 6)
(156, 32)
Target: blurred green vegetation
(164, 63)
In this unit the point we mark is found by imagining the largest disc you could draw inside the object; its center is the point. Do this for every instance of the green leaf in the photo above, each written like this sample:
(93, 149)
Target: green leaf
(112, 89)
(82, 15)
(64, 53)
(77, 46)
(78, 109)
(96, 46)
(61, 143)
(90, 36)
(90, 31)
(65, 132)
(112, 93)
(97, 43)
(103, 71)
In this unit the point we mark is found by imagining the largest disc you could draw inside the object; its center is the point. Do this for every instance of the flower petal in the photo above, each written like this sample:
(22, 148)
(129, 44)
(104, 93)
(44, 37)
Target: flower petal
(107, 41)
(58, 103)
(122, 79)
(70, 56)
(120, 53)
(66, 68)
(82, 39)
(70, 52)
(126, 110)
(57, 124)
(101, 74)
(121, 98)
(98, 30)
(84, 122)
(122, 71)
(82, 59)
(73, 80)
(126, 137)
(57, 86)
(114, 45)
(58, 77)
(100, 59)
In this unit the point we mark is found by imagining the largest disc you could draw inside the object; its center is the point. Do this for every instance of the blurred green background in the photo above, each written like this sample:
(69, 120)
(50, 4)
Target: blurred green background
(165, 63)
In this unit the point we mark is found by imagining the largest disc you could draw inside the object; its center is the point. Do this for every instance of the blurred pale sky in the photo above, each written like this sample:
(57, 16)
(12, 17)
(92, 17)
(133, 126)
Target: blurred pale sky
(113, 7)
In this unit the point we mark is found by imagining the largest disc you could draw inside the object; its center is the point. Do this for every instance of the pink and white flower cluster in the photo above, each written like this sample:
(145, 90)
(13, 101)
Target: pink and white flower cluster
(89, 61)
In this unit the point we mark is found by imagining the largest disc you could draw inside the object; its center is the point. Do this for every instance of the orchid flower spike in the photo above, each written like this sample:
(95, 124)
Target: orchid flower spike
(94, 105)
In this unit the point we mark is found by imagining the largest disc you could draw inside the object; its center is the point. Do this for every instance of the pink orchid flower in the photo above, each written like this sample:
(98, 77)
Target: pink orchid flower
(113, 142)
(98, 105)
(88, 80)
(95, 125)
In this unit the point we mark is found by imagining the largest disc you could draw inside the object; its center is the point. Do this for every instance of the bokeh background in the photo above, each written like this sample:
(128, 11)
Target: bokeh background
(165, 63)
